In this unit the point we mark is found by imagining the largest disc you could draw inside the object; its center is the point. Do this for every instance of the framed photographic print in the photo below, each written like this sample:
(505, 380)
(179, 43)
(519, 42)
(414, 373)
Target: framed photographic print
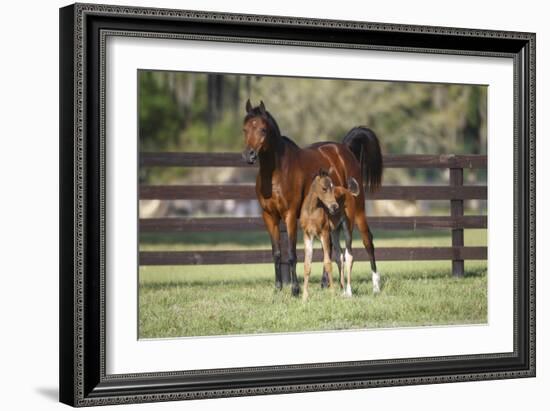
(261, 204)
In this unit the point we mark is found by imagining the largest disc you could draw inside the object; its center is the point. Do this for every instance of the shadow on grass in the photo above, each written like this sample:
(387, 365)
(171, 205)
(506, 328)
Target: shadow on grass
(365, 277)
(362, 279)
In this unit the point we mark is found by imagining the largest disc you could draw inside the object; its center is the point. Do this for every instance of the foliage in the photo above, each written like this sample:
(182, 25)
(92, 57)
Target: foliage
(203, 112)
(183, 111)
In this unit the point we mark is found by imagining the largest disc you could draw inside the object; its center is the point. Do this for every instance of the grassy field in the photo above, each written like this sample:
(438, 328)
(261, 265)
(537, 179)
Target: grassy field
(240, 299)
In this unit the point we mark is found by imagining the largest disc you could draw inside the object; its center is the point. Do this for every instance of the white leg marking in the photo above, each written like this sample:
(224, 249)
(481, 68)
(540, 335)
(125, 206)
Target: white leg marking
(375, 282)
(349, 264)
(348, 292)
(341, 269)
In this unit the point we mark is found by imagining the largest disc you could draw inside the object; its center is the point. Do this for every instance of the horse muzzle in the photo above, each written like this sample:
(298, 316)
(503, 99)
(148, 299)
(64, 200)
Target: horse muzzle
(333, 209)
(250, 155)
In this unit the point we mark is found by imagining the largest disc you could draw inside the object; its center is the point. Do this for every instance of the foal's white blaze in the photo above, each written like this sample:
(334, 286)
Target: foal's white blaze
(375, 282)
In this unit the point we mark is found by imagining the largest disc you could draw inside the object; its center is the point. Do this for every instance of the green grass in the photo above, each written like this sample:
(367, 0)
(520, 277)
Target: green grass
(240, 299)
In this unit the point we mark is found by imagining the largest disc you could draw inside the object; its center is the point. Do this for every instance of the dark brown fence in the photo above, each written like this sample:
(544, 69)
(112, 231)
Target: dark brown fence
(455, 192)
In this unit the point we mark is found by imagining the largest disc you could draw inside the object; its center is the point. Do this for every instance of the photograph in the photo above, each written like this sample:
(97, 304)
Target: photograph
(279, 204)
(255, 204)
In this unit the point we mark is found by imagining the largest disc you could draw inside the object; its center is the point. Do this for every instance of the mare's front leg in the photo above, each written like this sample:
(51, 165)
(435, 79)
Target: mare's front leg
(292, 228)
(337, 253)
(324, 278)
(272, 225)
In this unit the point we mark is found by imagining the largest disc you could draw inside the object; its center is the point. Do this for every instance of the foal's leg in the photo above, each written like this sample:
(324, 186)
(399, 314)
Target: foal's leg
(327, 262)
(308, 252)
(272, 225)
(291, 228)
(366, 236)
(324, 279)
(337, 253)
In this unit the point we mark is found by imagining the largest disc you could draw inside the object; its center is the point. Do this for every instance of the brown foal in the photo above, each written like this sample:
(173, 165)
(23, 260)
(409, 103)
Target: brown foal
(326, 211)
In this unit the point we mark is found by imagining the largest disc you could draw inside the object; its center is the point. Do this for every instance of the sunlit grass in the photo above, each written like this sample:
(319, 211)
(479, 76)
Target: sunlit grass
(240, 299)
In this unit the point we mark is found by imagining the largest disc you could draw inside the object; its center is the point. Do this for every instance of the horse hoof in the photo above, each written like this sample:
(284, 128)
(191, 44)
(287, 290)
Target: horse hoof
(295, 290)
(278, 285)
(347, 292)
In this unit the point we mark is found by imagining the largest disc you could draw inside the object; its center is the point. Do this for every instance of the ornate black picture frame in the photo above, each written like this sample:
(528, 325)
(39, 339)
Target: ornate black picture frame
(83, 379)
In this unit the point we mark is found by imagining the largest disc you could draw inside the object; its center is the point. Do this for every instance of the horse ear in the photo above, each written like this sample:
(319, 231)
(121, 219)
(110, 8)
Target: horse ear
(353, 186)
(262, 107)
(322, 172)
(248, 106)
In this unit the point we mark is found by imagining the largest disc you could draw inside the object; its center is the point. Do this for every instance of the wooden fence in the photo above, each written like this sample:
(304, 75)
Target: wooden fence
(455, 192)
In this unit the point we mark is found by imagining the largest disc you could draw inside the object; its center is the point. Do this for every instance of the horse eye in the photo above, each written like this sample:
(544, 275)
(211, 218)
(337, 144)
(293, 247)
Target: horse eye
(263, 130)
(324, 190)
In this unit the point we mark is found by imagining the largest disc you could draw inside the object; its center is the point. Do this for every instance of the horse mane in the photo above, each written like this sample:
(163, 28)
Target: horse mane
(291, 142)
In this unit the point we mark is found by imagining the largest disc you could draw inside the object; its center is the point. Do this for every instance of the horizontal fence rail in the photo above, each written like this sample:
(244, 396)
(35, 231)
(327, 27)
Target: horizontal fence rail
(248, 192)
(224, 224)
(456, 193)
(171, 159)
(264, 256)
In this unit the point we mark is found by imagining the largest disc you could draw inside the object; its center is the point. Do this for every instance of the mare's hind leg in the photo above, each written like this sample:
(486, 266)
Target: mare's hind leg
(337, 253)
(348, 259)
(366, 236)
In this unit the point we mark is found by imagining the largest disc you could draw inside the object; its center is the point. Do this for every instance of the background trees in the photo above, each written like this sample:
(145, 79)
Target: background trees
(203, 112)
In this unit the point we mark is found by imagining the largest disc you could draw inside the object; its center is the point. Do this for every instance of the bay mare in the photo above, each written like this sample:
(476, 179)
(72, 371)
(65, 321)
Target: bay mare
(286, 172)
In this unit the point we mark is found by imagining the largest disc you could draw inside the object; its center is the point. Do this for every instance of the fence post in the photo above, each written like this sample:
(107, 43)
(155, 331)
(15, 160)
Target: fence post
(457, 210)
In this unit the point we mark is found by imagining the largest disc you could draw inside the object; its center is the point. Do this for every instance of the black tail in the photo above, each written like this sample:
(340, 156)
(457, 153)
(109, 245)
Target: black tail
(364, 144)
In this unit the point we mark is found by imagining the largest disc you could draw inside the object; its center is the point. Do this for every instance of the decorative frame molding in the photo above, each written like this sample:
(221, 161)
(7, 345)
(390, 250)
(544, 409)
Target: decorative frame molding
(83, 32)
